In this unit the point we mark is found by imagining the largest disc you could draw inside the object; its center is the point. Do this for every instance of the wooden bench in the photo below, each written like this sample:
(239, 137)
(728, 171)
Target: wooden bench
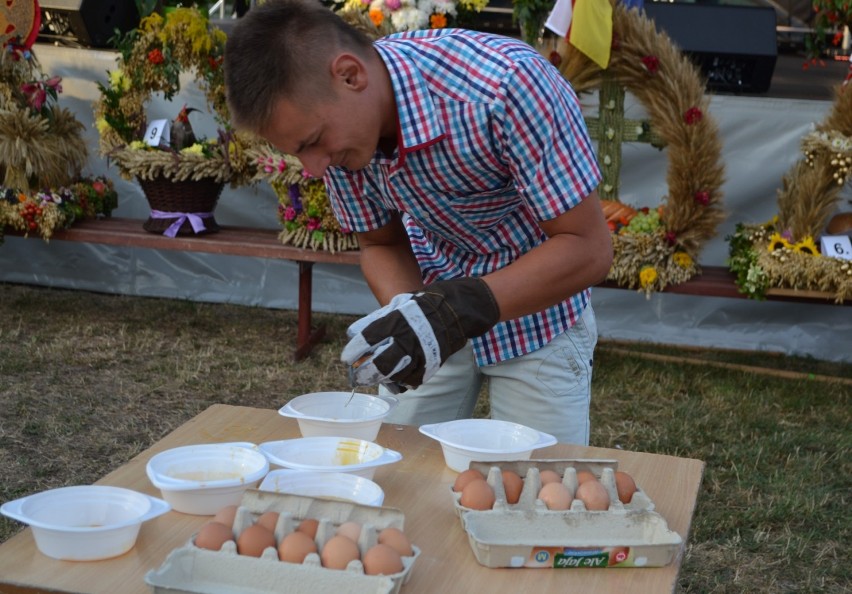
(714, 281)
(231, 241)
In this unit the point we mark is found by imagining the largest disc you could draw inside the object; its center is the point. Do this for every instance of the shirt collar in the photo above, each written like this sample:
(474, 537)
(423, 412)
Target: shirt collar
(419, 125)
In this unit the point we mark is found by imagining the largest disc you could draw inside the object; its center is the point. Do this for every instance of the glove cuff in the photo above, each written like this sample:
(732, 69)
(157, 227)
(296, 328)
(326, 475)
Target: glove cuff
(472, 302)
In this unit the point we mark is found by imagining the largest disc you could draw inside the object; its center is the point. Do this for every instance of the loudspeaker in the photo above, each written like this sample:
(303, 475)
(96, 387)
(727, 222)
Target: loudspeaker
(88, 22)
(734, 46)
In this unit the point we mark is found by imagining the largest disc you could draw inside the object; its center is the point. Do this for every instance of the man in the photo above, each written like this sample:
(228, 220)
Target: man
(462, 162)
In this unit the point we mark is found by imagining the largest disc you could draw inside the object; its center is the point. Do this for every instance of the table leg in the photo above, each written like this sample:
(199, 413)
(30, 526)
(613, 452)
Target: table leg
(306, 337)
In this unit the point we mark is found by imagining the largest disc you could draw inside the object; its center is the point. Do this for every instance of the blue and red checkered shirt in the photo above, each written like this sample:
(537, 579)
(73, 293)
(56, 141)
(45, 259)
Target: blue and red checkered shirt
(491, 141)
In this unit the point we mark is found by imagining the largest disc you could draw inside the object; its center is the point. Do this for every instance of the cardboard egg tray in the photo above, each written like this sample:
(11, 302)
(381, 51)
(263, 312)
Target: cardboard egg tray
(527, 534)
(193, 570)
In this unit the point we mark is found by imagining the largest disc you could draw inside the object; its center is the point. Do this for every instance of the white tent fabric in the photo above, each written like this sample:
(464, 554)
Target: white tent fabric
(761, 137)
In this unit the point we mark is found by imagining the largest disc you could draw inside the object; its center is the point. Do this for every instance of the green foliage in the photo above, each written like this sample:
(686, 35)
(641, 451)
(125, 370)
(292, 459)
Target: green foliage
(530, 15)
(751, 278)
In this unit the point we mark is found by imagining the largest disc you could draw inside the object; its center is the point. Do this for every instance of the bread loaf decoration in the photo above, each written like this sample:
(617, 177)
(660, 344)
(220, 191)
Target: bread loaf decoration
(840, 224)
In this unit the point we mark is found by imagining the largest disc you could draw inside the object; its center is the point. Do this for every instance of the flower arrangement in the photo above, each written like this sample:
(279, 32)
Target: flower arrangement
(654, 247)
(829, 19)
(782, 253)
(46, 211)
(303, 208)
(151, 60)
(409, 15)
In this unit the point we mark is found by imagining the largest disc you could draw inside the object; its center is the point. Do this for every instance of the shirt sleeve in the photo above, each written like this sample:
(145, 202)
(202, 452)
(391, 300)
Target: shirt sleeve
(544, 139)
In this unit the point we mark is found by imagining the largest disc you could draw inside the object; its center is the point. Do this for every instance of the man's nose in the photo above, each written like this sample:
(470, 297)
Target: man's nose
(315, 162)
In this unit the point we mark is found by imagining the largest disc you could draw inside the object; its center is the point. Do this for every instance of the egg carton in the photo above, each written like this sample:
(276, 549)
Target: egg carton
(527, 534)
(530, 471)
(567, 540)
(192, 570)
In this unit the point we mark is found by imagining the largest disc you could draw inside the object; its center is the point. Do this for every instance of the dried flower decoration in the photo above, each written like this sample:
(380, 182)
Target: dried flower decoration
(651, 64)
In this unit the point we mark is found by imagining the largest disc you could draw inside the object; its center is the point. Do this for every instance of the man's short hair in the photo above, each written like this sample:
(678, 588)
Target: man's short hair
(282, 49)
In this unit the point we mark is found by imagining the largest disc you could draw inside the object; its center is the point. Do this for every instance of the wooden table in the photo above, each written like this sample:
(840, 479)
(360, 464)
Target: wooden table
(418, 485)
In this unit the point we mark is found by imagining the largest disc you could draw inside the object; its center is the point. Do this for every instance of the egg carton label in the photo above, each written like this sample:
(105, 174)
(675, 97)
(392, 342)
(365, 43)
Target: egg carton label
(569, 558)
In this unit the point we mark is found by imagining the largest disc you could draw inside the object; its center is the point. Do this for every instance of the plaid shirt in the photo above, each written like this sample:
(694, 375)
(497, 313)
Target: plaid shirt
(491, 140)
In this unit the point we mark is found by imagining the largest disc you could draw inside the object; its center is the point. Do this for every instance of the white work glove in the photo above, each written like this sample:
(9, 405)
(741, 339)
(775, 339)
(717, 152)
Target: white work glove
(404, 343)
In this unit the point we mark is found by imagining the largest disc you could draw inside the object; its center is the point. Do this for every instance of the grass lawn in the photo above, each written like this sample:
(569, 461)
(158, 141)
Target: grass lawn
(88, 381)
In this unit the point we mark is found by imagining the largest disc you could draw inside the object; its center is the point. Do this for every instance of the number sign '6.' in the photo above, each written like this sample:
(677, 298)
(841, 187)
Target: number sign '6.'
(836, 246)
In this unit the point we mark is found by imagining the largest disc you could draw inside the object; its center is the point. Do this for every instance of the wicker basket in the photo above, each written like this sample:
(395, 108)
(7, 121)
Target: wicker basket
(191, 201)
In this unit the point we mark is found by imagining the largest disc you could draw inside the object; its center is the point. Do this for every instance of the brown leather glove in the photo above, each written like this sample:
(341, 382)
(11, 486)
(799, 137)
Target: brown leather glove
(402, 344)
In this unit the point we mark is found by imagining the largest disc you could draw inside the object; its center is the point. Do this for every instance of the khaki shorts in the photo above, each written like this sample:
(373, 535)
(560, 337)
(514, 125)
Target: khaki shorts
(548, 389)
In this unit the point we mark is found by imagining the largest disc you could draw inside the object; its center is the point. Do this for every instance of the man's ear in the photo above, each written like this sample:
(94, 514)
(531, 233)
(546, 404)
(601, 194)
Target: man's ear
(350, 71)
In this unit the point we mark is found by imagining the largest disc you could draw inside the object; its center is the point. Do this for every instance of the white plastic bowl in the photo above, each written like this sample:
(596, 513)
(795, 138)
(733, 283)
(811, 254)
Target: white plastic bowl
(333, 485)
(85, 522)
(485, 440)
(330, 454)
(202, 479)
(327, 414)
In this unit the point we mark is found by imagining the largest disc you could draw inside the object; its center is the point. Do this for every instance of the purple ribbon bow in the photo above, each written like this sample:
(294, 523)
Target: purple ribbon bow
(194, 220)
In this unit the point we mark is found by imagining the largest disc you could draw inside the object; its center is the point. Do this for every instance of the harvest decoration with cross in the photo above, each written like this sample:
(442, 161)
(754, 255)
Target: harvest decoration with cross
(611, 129)
(656, 247)
(782, 253)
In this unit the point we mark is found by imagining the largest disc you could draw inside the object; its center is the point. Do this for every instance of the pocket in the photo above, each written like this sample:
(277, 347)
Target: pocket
(566, 367)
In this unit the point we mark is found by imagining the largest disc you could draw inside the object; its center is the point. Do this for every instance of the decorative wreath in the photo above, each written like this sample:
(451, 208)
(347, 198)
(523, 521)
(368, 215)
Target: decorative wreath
(151, 60)
(783, 253)
(657, 247)
(303, 207)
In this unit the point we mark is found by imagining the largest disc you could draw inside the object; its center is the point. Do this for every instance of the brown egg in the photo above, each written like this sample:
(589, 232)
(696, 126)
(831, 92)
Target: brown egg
(351, 530)
(226, 515)
(213, 535)
(254, 540)
(512, 485)
(382, 559)
(338, 552)
(594, 495)
(465, 477)
(309, 526)
(268, 520)
(549, 476)
(585, 475)
(295, 547)
(477, 494)
(397, 539)
(625, 485)
(555, 496)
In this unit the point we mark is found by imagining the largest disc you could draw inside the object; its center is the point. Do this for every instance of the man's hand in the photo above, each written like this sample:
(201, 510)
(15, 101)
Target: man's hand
(402, 344)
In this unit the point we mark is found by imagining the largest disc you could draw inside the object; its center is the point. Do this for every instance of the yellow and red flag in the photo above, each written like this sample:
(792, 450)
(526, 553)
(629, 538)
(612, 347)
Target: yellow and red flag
(587, 25)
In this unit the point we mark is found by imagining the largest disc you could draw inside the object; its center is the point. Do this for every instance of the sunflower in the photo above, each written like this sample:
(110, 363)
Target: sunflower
(647, 276)
(682, 259)
(777, 242)
(807, 246)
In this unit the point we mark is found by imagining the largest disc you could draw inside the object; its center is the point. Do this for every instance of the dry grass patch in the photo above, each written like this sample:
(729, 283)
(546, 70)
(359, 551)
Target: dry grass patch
(88, 381)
